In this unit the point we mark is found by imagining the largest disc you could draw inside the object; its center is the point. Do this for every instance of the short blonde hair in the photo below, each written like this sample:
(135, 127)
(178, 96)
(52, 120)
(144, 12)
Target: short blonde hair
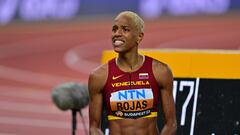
(136, 19)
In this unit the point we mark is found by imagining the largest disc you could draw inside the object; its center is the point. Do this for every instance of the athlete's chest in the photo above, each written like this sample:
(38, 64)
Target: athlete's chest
(129, 80)
(128, 93)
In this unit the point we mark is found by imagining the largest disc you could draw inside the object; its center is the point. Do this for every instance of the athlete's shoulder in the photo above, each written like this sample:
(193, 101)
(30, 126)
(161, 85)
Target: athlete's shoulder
(97, 79)
(157, 64)
(161, 70)
(99, 72)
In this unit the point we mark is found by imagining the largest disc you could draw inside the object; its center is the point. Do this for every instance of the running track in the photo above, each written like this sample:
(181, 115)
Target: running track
(35, 57)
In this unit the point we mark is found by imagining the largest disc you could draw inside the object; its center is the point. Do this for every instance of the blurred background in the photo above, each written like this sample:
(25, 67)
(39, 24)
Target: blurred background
(44, 43)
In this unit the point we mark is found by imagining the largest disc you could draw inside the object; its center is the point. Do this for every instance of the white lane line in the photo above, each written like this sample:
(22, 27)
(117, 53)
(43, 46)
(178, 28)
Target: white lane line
(25, 92)
(35, 122)
(32, 45)
(20, 48)
(77, 58)
(31, 77)
(29, 107)
(7, 134)
(35, 108)
(202, 40)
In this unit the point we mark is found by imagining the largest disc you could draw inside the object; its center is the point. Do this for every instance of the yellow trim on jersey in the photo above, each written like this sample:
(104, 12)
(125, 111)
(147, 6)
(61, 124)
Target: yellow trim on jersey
(195, 63)
(111, 117)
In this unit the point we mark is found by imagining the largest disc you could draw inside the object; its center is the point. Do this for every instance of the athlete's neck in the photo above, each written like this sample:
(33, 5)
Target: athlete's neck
(129, 62)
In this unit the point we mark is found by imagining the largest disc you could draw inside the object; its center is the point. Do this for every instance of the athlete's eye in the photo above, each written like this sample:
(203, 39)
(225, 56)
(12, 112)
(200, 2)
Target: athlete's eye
(114, 29)
(126, 29)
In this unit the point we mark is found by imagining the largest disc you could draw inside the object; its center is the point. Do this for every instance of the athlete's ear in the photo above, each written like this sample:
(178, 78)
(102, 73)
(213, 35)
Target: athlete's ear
(140, 37)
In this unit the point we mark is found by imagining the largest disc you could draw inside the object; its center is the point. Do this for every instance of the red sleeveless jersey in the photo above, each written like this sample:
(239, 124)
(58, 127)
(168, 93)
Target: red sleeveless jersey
(131, 94)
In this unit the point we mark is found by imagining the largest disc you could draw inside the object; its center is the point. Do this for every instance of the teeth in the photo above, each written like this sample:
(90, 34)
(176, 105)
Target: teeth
(118, 42)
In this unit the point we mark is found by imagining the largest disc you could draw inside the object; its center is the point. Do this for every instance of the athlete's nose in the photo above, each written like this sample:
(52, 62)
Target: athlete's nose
(118, 32)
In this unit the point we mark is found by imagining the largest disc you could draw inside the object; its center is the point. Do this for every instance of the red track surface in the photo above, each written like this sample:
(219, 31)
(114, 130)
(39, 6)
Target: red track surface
(36, 57)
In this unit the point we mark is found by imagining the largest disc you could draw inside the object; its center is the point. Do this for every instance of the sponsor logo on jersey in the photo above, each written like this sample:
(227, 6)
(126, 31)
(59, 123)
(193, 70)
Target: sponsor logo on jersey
(119, 113)
(132, 100)
(116, 77)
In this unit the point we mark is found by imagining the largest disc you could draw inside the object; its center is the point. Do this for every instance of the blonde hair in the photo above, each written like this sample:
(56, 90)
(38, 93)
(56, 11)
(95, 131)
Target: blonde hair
(138, 21)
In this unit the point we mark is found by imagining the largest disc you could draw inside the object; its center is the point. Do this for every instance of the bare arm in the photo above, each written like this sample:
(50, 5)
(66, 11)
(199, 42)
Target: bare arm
(95, 85)
(165, 80)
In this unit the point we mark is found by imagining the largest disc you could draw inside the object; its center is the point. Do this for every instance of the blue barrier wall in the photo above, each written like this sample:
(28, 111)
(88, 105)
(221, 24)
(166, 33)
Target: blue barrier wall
(35, 10)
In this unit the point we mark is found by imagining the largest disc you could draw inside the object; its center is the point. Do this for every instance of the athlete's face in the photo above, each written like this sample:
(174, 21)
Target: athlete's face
(125, 35)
